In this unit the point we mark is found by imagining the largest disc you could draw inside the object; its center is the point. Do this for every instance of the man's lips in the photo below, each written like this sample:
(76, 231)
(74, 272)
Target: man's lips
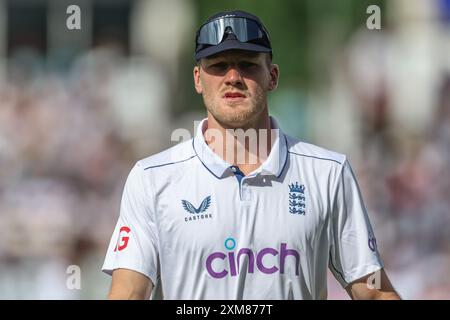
(233, 95)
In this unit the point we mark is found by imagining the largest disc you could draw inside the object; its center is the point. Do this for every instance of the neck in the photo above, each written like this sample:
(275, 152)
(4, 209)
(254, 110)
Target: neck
(246, 146)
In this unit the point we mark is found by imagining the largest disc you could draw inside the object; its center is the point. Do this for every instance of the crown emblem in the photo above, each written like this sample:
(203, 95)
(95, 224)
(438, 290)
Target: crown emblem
(297, 199)
(296, 188)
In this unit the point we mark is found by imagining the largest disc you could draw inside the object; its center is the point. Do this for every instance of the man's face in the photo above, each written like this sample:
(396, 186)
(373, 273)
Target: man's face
(234, 85)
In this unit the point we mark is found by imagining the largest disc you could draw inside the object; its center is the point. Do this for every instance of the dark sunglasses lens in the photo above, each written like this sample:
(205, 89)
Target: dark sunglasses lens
(245, 30)
(211, 33)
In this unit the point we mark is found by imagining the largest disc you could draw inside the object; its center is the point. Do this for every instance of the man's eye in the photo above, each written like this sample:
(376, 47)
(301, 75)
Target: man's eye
(247, 65)
(219, 66)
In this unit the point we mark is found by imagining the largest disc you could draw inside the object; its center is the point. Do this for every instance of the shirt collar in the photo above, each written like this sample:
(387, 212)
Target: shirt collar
(273, 165)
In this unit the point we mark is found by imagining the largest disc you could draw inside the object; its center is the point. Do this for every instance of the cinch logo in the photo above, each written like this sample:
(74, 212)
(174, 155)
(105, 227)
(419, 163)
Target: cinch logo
(232, 260)
(124, 239)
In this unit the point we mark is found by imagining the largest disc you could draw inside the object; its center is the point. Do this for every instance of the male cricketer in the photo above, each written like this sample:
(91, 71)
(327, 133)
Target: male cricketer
(196, 223)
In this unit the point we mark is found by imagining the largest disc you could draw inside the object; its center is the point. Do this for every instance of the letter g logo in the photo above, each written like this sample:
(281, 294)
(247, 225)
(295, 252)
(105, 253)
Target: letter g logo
(122, 242)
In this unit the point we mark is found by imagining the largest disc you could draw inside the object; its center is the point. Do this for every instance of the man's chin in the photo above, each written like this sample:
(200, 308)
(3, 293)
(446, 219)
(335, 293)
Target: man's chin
(236, 120)
(242, 105)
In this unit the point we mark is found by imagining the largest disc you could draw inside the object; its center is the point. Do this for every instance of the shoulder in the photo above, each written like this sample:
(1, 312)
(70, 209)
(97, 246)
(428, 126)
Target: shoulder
(307, 151)
(178, 154)
(161, 165)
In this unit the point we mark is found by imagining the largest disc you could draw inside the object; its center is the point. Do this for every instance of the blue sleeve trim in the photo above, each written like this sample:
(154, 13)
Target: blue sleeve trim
(308, 156)
(169, 163)
(336, 269)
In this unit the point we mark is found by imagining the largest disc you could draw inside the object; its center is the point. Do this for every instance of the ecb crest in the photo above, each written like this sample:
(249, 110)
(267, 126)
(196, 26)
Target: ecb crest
(297, 198)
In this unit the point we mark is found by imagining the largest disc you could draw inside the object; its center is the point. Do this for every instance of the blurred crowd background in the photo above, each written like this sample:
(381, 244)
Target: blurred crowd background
(79, 107)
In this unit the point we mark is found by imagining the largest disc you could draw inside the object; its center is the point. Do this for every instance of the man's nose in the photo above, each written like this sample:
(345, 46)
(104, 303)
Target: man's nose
(233, 76)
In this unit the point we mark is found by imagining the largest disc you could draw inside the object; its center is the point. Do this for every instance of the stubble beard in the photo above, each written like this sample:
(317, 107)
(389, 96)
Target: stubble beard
(236, 116)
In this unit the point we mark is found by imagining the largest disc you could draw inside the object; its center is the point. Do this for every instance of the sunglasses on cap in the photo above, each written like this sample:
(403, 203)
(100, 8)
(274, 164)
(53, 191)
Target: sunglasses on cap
(245, 29)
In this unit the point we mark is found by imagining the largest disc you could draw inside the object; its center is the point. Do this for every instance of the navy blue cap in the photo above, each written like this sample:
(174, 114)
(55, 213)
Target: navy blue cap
(230, 41)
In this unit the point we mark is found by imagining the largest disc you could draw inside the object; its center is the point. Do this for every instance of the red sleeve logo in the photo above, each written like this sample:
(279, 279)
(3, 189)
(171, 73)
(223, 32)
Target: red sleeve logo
(122, 242)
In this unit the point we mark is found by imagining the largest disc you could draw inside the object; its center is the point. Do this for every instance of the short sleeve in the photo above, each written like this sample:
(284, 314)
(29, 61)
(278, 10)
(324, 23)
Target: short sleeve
(353, 250)
(134, 243)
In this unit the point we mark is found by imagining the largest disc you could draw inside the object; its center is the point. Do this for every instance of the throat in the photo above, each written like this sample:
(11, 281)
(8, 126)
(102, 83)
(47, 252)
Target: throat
(246, 169)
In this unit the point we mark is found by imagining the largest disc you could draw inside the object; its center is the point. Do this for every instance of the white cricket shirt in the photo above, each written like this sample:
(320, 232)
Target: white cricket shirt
(200, 230)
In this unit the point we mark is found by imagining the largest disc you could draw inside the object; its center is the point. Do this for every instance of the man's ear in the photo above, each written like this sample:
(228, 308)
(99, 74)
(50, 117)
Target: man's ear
(274, 76)
(197, 82)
